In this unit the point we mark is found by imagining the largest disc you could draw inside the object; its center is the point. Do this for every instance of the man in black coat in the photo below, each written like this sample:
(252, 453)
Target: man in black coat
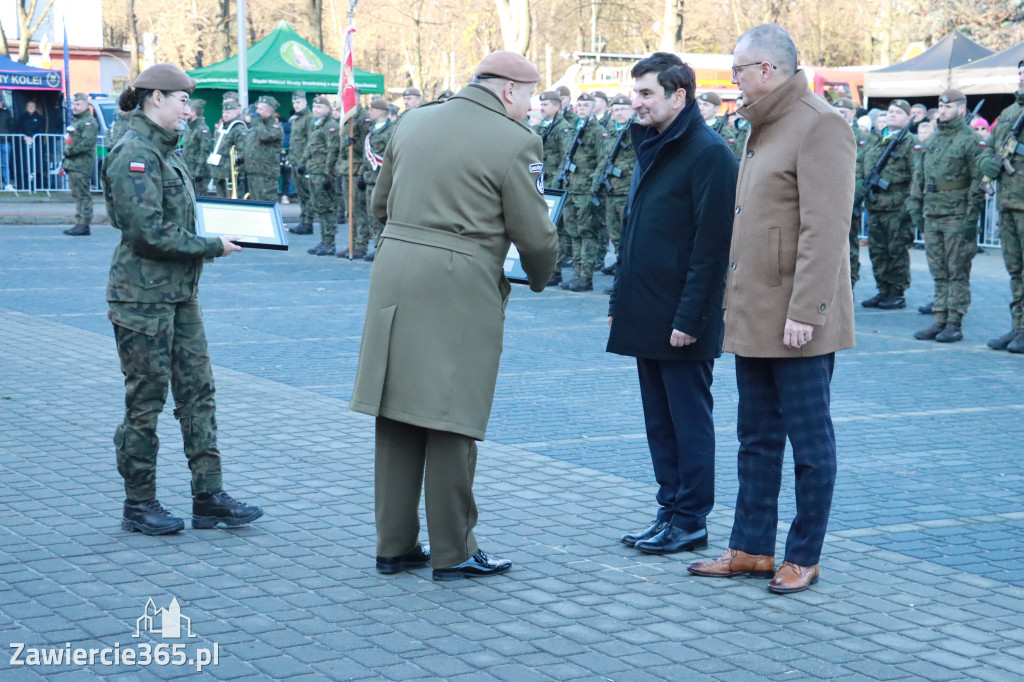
(666, 303)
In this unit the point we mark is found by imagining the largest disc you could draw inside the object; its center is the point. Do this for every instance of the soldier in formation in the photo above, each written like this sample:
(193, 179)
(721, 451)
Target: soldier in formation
(618, 153)
(890, 228)
(231, 135)
(116, 131)
(79, 161)
(568, 113)
(556, 135)
(1003, 162)
(197, 146)
(580, 220)
(710, 103)
(946, 189)
(736, 133)
(320, 161)
(848, 109)
(374, 145)
(263, 151)
(302, 123)
(354, 133)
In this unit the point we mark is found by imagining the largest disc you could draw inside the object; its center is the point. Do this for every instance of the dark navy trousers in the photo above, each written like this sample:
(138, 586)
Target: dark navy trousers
(780, 398)
(681, 436)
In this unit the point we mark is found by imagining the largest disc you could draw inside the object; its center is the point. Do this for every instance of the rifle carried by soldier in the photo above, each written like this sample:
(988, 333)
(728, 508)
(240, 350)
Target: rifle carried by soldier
(875, 181)
(1008, 147)
(610, 170)
(567, 163)
(977, 108)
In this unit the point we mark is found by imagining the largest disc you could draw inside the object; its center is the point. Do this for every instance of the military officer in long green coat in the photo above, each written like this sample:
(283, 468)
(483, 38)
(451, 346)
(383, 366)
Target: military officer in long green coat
(79, 160)
(152, 293)
(435, 315)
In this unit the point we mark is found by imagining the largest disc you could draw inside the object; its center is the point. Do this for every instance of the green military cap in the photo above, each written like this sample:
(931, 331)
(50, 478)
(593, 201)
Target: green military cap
(599, 94)
(299, 94)
(380, 104)
(322, 99)
(563, 91)
(231, 104)
(230, 94)
(845, 103)
(550, 96)
(711, 98)
(197, 105)
(412, 92)
(585, 97)
(620, 99)
(902, 104)
(166, 78)
(80, 97)
(267, 99)
(445, 95)
(952, 95)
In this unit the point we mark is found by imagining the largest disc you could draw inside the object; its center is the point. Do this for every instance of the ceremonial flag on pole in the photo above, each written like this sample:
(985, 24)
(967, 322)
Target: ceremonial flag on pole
(347, 86)
(67, 85)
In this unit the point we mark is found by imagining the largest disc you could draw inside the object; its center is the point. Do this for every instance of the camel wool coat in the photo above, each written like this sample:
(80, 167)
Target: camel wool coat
(790, 254)
(459, 182)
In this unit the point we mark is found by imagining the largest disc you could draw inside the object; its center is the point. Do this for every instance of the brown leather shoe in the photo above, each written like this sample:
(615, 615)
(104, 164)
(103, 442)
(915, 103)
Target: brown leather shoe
(793, 578)
(734, 562)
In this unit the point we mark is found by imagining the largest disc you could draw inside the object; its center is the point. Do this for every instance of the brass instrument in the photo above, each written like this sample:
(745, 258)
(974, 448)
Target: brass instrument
(233, 182)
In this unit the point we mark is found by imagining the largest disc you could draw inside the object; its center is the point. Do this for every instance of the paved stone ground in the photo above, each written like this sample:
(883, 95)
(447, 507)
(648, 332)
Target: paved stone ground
(922, 576)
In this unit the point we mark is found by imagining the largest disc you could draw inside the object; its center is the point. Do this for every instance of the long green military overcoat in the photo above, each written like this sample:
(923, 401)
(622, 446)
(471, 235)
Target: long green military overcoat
(458, 183)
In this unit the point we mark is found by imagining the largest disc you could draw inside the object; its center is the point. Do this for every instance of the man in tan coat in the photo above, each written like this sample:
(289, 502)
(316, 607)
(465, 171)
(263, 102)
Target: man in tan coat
(789, 306)
(435, 316)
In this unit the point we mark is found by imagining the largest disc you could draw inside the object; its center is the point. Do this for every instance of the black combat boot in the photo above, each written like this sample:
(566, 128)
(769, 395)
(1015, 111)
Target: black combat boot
(369, 257)
(951, 334)
(301, 228)
(149, 518)
(1003, 341)
(926, 309)
(322, 249)
(931, 332)
(874, 300)
(581, 284)
(610, 269)
(209, 509)
(565, 286)
(894, 302)
(78, 231)
(555, 279)
(1017, 345)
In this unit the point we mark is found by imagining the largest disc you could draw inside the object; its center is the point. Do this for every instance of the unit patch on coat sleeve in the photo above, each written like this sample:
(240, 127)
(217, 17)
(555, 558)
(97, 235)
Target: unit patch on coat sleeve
(136, 167)
(540, 183)
(536, 167)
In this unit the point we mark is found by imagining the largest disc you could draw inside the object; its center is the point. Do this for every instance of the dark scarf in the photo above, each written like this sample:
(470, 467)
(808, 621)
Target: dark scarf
(654, 140)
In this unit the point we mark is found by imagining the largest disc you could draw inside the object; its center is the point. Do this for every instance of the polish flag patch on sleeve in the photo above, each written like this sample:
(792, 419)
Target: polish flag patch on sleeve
(136, 167)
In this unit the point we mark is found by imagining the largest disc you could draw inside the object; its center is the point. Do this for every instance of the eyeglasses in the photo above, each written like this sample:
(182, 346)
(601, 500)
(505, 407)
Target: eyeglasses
(737, 67)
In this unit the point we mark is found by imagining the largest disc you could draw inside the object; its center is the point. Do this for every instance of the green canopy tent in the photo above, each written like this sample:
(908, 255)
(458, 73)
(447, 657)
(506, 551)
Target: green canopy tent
(278, 65)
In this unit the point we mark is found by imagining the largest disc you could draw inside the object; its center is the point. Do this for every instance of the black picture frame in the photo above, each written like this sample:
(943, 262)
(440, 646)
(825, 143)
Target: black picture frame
(258, 224)
(514, 272)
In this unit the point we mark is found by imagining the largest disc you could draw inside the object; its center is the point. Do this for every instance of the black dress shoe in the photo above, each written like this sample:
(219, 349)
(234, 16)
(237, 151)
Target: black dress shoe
(631, 539)
(149, 518)
(674, 539)
(209, 509)
(417, 558)
(477, 565)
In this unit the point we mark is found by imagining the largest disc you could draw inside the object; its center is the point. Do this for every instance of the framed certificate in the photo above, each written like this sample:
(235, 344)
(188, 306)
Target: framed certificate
(555, 199)
(257, 223)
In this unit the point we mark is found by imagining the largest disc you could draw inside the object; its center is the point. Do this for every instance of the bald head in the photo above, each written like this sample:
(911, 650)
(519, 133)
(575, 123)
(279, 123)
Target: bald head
(773, 43)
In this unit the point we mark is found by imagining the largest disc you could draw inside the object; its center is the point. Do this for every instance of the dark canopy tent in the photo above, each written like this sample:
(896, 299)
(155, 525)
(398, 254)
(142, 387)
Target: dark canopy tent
(996, 74)
(927, 74)
(27, 83)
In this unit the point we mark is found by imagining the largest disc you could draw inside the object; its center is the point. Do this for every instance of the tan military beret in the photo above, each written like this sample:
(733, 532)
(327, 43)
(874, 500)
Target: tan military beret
(599, 94)
(711, 97)
(845, 103)
(563, 91)
(197, 105)
(380, 104)
(952, 95)
(550, 96)
(322, 99)
(299, 94)
(585, 97)
(620, 99)
(902, 104)
(271, 101)
(509, 65)
(166, 78)
(412, 92)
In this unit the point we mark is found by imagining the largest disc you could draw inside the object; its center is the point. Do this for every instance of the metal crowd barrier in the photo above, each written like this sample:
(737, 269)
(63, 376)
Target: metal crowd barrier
(35, 166)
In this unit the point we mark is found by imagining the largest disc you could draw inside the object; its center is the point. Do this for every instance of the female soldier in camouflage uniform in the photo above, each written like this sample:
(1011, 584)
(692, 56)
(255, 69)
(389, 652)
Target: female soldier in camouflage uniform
(158, 327)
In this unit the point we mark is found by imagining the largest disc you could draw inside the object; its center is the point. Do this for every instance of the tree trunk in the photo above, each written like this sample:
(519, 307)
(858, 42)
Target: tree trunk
(133, 43)
(224, 33)
(315, 12)
(27, 10)
(5, 49)
(516, 26)
(672, 26)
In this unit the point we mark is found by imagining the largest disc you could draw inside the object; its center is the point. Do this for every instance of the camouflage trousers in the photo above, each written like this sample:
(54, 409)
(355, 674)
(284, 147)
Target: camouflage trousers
(375, 227)
(614, 209)
(161, 343)
(83, 199)
(323, 208)
(302, 190)
(950, 246)
(1011, 234)
(855, 224)
(601, 230)
(582, 229)
(263, 187)
(361, 229)
(890, 236)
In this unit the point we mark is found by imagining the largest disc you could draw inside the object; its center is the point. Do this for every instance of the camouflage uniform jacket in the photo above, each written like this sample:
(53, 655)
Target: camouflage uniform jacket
(150, 199)
(1010, 187)
(234, 137)
(198, 144)
(570, 116)
(736, 137)
(117, 131)
(899, 171)
(588, 156)
(556, 136)
(624, 161)
(302, 126)
(360, 128)
(324, 143)
(80, 144)
(263, 149)
(375, 143)
(947, 180)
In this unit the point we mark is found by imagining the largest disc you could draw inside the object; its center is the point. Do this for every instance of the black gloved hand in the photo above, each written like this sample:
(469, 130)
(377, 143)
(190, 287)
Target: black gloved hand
(360, 183)
(326, 184)
(301, 170)
(352, 141)
(239, 160)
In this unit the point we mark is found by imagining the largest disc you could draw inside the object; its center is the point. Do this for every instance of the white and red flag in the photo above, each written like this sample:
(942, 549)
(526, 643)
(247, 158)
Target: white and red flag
(347, 87)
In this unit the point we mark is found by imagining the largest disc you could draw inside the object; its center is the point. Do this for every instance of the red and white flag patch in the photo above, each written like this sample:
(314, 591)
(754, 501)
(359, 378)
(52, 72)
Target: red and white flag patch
(136, 167)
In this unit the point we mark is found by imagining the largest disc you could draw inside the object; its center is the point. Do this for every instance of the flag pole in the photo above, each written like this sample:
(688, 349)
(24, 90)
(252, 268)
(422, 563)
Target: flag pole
(349, 100)
(67, 85)
(243, 66)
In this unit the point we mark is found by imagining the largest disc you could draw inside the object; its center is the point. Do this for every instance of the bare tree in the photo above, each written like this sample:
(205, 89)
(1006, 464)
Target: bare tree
(516, 26)
(315, 12)
(28, 24)
(133, 42)
(672, 26)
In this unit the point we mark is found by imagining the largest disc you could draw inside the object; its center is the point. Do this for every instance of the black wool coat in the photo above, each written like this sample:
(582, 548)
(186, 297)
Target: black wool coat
(674, 246)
